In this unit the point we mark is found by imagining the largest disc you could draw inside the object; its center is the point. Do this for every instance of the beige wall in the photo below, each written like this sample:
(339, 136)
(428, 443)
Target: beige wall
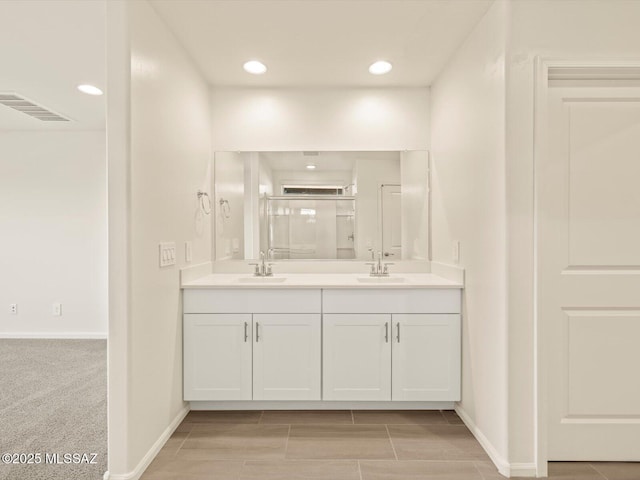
(370, 173)
(468, 202)
(53, 212)
(414, 173)
(282, 119)
(229, 179)
(572, 29)
(156, 167)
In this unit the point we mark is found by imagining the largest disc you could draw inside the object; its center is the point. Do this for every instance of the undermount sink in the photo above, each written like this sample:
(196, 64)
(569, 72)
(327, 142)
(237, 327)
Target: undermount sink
(381, 279)
(262, 279)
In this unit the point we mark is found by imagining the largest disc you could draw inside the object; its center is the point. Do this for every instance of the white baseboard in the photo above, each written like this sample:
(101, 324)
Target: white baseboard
(319, 405)
(137, 472)
(56, 335)
(523, 470)
(501, 464)
(504, 467)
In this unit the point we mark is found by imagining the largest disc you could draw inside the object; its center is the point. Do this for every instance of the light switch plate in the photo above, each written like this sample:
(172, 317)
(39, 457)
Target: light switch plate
(188, 252)
(13, 309)
(56, 309)
(167, 254)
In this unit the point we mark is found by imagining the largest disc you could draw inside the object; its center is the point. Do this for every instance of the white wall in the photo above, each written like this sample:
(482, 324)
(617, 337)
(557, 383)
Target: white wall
(592, 30)
(229, 179)
(370, 173)
(414, 173)
(281, 119)
(53, 246)
(167, 162)
(468, 202)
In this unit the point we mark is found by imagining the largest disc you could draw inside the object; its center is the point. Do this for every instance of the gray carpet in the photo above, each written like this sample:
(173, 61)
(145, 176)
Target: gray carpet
(53, 399)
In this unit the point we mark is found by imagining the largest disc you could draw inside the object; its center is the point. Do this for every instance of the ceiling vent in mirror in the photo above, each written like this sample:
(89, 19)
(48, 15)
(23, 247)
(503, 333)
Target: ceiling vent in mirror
(31, 108)
(313, 190)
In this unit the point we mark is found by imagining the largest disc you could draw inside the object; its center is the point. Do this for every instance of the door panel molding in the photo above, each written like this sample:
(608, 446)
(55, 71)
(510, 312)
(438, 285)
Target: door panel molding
(550, 73)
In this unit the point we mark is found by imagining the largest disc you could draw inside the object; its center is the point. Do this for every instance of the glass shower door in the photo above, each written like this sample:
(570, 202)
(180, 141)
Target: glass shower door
(306, 227)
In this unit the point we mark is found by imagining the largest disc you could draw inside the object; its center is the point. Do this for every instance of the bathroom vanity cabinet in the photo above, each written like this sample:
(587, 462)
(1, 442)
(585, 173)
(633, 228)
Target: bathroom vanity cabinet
(252, 356)
(401, 344)
(322, 344)
(252, 344)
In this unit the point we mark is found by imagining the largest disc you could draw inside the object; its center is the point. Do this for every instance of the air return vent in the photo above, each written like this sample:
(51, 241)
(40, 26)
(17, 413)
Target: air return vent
(31, 108)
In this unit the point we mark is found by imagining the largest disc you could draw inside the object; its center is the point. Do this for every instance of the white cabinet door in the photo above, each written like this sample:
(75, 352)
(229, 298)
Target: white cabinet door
(286, 356)
(426, 357)
(217, 357)
(357, 357)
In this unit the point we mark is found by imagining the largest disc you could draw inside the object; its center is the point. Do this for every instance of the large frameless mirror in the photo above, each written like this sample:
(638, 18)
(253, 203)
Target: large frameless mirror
(321, 205)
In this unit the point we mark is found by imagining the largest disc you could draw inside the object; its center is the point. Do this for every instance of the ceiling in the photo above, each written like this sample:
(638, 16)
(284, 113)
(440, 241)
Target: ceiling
(324, 161)
(48, 48)
(321, 42)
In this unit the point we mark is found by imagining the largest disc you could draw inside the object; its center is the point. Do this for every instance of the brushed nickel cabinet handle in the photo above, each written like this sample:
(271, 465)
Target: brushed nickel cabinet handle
(398, 332)
(246, 331)
(257, 332)
(386, 332)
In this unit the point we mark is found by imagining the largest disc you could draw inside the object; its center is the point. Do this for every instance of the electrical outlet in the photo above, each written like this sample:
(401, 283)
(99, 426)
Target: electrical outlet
(188, 252)
(167, 254)
(56, 309)
(456, 251)
(13, 309)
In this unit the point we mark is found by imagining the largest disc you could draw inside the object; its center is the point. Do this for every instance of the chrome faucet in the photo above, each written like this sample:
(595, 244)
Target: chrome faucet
(378, 269)
(262, 269)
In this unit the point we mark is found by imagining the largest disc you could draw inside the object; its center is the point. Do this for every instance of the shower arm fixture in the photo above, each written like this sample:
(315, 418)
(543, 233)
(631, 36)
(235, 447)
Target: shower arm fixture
(205, 205)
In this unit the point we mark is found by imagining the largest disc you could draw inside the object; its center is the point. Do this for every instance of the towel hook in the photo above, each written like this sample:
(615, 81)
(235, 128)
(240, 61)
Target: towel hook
(225, 207)
(206, 207)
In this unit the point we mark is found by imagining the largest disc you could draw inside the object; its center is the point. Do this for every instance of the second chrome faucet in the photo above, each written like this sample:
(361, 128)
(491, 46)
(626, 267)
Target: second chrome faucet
(262, 269)
(378, 269)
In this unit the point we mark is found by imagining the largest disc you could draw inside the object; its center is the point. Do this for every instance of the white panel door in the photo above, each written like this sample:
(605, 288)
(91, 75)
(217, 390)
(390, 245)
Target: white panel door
(589, 272)
(356, 357)
(426, 357)
(391, 214)
(286, 356)
(217, 357)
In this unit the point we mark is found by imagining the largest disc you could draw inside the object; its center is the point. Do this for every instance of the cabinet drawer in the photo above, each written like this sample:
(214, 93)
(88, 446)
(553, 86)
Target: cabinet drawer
(397, 300)
(251, 300)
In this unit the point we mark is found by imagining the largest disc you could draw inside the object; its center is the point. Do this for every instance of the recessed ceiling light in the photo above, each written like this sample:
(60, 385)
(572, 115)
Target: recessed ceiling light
(89, 89)
(311, 167)
(380, 68)
(255, 67)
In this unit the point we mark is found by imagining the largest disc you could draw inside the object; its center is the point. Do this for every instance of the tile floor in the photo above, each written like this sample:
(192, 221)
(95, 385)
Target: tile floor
(340, 445)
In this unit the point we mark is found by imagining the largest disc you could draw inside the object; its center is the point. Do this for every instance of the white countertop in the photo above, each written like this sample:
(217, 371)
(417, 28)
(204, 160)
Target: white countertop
(322, 280)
